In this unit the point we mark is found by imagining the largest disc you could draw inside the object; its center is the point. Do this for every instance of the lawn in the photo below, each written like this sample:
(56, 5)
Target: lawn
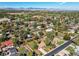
(29, 53)
(21, 49)
(48, 48)
(60, 42)
(33, 45)
(71, 50)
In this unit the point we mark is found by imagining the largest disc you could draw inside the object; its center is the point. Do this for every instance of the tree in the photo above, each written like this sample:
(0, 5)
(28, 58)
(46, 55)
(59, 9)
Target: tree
(27, 18)
(49, 38)
(47, 41)
(17, 42)
(66, 37)
(76, 42)
(35, 25)
(3, 38)
(50, 35)
(43, 25)
(34, 54)
(14, 41)
(76, 31)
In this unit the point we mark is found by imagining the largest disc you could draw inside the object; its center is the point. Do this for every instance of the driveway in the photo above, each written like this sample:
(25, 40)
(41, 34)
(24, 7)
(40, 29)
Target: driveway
(42, 50)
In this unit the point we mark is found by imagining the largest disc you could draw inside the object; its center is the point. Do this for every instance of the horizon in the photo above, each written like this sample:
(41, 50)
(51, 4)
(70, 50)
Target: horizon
(55, 5)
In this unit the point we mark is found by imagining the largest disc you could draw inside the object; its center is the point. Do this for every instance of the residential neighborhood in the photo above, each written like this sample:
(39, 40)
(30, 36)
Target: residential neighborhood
(39, 32)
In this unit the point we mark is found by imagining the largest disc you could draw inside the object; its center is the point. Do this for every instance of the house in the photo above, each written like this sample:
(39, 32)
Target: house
(49, 30)
(1, 35)
(8, 48)
(71, 31)
(29, 36)
(51, 25)
(12, 51)
(4, 19)
(38, 27)
(6, 43)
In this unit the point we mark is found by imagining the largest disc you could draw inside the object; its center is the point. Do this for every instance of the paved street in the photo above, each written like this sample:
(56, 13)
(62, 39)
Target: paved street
(60, 48)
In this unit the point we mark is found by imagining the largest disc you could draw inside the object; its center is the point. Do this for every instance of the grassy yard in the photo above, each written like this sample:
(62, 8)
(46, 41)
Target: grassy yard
(29, 53)
(21, 49)
(71, 50)
(60, 42)
(48, 48)
(33, 45)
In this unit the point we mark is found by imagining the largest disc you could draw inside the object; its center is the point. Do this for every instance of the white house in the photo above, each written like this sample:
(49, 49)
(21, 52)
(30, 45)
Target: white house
(4, 19)
(49, 30)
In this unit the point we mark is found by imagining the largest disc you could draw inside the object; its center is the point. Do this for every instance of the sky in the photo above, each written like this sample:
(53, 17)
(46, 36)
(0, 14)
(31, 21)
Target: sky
(57, 5)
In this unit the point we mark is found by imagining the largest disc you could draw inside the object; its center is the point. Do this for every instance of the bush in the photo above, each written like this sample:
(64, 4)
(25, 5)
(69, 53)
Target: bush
(76, 42)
